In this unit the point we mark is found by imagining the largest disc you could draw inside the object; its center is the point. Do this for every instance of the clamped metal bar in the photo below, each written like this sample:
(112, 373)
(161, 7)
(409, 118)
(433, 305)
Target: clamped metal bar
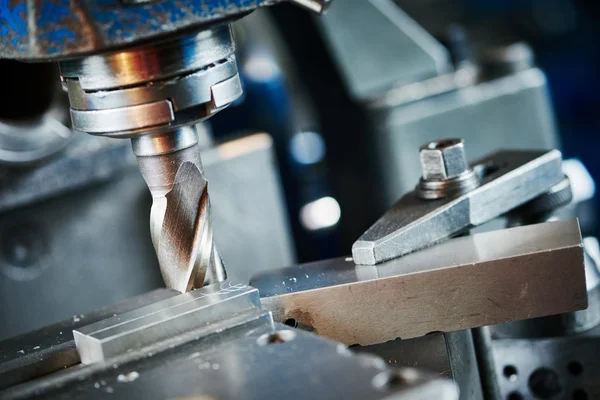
(503, 181)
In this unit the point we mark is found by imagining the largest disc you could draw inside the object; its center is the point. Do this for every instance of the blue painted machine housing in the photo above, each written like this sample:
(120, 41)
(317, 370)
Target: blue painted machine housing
(42, 30)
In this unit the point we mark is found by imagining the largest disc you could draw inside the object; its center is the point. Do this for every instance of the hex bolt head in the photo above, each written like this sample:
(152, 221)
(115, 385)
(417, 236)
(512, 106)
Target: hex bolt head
(443, 159)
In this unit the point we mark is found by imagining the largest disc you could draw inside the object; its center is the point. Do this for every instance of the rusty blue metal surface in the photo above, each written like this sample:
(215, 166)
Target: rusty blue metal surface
(54, 29)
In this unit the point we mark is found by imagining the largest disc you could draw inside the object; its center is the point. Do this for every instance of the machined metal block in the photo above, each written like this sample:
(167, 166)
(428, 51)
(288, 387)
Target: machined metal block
(466, 282)
(162, 320)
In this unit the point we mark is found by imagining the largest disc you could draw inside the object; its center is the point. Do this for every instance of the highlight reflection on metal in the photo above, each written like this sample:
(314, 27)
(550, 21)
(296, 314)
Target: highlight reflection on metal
(471, 281)
(321, 213)
(159, 321)
(155, 87)
(180, 218)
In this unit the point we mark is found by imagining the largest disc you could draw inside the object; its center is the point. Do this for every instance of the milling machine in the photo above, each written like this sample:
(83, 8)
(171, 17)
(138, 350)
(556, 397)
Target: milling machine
(427, 284)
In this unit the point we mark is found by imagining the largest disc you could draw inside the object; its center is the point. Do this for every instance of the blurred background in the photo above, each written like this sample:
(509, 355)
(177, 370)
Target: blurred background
(321, 127)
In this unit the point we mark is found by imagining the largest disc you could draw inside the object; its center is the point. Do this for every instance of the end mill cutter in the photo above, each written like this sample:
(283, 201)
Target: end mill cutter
(180, 220)
(154, 94)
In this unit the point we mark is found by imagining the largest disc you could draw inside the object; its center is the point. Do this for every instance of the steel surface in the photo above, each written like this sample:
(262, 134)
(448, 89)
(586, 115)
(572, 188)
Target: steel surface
(180, 219)
(52, 348)
(162, 320)
(509, 179)
(185, 91)
(254, 361)
(471, 281)
(124, 118)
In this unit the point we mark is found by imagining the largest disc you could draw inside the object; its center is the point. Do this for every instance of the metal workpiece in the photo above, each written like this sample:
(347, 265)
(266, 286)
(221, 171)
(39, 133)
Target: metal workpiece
(180, 219)
(51, 349)
(568, 324)
(212, 340)
(163, 320)
(506, 179)
(465, 282)
(224, 366)
(155, 87)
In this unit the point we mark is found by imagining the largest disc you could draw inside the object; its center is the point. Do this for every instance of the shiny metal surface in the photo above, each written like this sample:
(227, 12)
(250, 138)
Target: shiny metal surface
(185, 91)
(443, 159)
(224, 366)
(147, 63)
(567, 324)
(124, 118)
(446, 171)
(508, 179)
(148, 325)
(153, 88)
(52, 348)
(153, 145)
(471, 281)
(180, 219)
(225, 92)
(131, 93)
(49, 208)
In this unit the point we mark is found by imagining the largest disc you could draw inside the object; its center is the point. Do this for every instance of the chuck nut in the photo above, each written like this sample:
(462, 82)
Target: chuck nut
(443, 159)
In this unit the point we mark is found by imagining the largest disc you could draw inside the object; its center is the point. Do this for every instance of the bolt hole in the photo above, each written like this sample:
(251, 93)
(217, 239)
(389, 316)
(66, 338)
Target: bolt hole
(291, 322)
(443, 143)
(514, 396)
(395, 379)
(545, 383)
(580, 394)
(575, 368)
(510, 372)
(276, 337)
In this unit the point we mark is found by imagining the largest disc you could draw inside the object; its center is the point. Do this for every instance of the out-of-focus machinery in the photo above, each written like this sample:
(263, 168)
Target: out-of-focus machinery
(475, 284)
